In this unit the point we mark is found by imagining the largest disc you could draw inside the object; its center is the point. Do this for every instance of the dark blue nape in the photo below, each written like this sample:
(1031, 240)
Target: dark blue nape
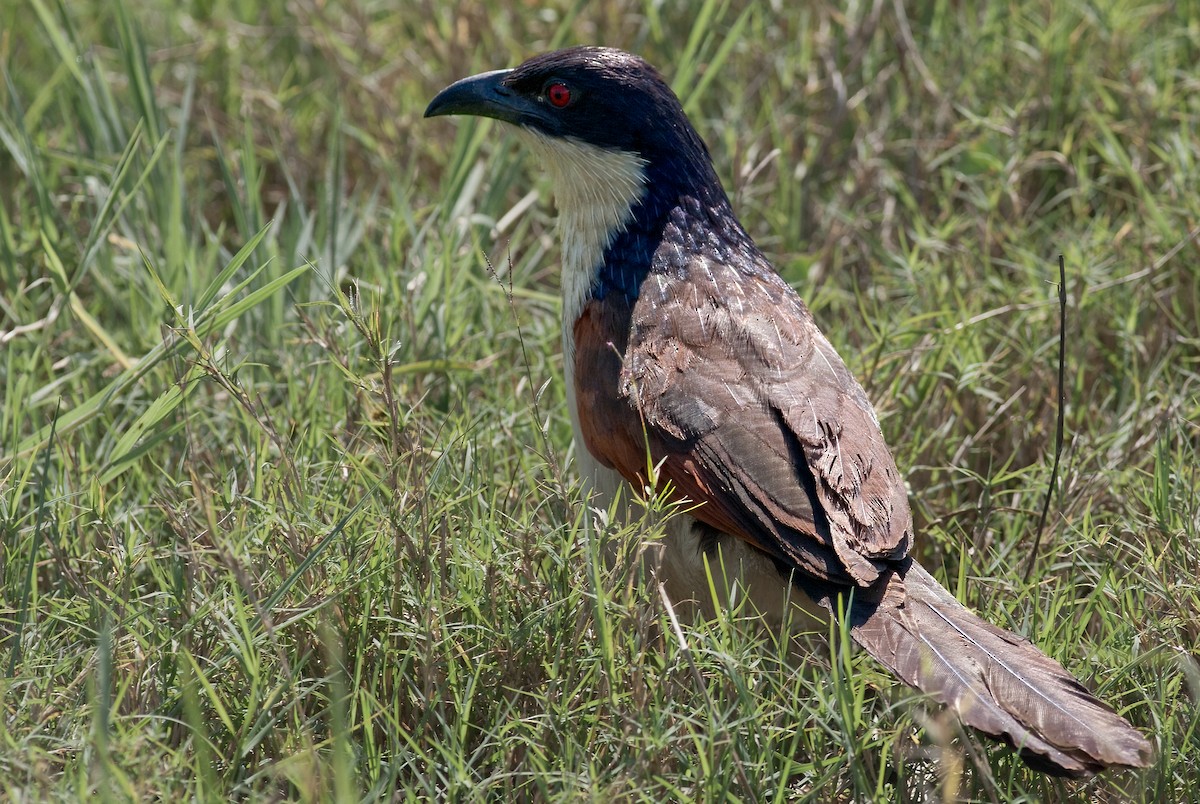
(695, 216)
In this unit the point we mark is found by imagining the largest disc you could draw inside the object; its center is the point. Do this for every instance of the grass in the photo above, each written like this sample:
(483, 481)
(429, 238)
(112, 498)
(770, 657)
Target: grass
(286, 494)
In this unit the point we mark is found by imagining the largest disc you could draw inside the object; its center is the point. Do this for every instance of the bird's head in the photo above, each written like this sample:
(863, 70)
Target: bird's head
(600, 97)
(619, 149)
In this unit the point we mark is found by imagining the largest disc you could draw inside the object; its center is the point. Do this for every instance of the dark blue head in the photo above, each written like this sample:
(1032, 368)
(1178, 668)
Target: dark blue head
(600, 96)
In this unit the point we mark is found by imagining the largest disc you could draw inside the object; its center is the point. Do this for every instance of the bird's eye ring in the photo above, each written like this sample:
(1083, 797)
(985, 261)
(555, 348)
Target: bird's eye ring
(559, 94)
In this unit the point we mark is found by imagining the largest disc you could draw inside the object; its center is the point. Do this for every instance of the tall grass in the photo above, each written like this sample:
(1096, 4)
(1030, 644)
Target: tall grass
(286, 494)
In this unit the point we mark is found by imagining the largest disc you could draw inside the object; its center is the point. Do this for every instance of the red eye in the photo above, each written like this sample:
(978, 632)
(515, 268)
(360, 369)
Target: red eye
(558, 95)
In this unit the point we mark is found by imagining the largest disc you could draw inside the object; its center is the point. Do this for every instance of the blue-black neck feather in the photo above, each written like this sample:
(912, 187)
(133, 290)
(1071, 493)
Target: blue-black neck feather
(683, 215)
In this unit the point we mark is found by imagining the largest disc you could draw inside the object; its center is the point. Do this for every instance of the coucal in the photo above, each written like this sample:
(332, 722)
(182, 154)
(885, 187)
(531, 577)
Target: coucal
(685, 350)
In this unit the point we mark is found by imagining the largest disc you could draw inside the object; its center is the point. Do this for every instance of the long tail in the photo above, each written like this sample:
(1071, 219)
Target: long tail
(996, 681)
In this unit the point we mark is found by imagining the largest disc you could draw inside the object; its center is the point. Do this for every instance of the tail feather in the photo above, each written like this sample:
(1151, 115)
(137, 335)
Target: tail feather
(996, 681)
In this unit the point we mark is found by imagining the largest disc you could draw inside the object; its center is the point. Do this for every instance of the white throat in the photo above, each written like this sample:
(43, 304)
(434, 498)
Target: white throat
(596, 190)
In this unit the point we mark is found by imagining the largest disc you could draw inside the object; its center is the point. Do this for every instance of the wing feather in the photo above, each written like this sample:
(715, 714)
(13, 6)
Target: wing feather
(724, 376)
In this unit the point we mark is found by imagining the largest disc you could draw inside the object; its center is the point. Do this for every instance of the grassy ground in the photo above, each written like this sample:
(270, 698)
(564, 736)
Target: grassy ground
(286, 494)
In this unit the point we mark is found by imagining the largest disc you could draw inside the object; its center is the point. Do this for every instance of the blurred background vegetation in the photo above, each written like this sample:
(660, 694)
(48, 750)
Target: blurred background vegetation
(286, 494)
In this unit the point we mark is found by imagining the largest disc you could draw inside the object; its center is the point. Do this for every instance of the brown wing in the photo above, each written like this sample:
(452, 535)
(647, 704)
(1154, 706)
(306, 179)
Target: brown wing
(725, 378)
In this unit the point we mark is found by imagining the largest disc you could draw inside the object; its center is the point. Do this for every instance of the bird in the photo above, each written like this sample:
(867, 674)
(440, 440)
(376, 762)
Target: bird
(690, 363)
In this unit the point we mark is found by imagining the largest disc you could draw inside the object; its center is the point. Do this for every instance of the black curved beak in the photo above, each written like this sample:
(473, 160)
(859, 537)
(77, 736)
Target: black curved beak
(483, 95)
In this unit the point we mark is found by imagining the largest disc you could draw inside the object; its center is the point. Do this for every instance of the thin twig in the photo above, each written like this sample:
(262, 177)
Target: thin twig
(539, 421)
(1062, 406)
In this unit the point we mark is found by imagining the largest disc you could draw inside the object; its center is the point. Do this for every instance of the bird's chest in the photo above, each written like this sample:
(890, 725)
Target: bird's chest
(619, 366)
(595, 343)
